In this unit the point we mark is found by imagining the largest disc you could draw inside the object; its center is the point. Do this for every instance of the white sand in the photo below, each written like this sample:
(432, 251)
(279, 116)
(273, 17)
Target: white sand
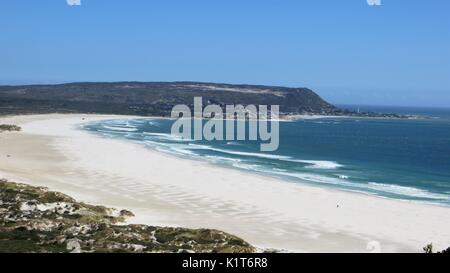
(165, 190)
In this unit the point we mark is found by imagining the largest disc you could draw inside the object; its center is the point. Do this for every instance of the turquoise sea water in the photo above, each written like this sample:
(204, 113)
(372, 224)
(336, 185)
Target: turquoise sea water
(403, 159)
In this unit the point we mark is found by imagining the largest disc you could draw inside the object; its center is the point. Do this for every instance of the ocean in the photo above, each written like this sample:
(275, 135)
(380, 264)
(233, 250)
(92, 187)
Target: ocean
(407, 159)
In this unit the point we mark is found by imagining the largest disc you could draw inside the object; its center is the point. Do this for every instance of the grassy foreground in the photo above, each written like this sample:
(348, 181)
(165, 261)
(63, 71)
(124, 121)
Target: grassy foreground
(34, 219)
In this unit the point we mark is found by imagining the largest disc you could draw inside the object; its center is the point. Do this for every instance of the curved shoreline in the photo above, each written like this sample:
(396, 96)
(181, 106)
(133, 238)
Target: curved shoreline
(262, 210)
(243, 161)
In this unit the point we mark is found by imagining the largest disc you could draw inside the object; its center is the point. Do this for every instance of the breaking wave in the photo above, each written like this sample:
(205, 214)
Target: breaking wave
(240, 155)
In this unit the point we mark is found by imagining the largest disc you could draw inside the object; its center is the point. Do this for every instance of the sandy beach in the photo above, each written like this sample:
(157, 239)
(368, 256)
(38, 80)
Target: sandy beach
(164, 190)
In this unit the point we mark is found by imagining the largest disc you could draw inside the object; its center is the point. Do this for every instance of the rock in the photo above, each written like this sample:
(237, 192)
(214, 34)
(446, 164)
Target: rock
(28, 206)
(73, 246)
(137, 248)
(126, 213)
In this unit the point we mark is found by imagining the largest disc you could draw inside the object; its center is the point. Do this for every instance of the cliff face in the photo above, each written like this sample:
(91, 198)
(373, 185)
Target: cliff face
(153, 98)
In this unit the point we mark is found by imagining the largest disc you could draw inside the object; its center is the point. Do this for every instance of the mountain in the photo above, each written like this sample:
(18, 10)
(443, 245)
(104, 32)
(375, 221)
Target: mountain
(153, 98)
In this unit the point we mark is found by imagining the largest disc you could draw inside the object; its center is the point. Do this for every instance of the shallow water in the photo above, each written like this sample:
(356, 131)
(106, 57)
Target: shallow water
(403, 159)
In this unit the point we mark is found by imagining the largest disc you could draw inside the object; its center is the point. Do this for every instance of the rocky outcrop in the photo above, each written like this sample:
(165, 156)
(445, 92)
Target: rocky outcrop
(34, 219)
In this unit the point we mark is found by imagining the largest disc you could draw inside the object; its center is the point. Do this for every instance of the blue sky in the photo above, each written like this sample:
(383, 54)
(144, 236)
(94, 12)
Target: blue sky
(346, 50)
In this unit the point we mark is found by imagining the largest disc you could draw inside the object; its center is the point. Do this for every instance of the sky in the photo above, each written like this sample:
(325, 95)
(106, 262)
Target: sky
(346, 50)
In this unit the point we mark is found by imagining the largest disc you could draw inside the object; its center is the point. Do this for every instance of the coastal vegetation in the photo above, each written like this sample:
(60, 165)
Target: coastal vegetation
(158, 98)
(429, 249)
(9, 128)
(34, 219)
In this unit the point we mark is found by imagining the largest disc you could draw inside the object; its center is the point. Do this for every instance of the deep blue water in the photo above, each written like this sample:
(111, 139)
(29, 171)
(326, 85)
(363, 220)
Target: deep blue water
(403, 159)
